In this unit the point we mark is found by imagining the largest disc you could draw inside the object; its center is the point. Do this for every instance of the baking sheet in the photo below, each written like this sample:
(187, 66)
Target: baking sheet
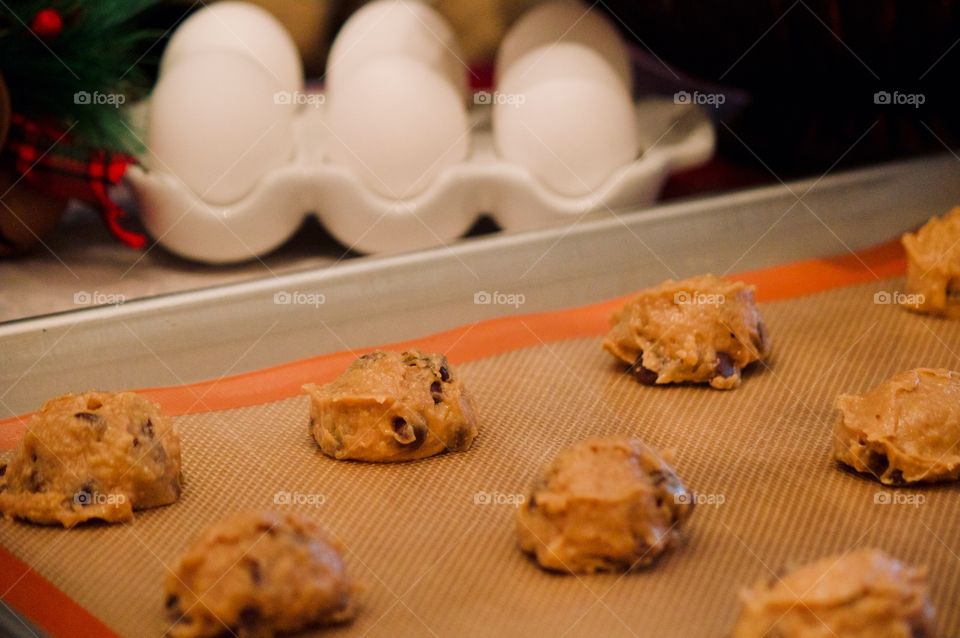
(225, 330)
(433, 541)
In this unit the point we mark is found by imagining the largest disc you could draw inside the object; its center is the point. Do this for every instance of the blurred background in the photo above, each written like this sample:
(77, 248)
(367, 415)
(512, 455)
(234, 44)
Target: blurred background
(810, 87)
(808, 71)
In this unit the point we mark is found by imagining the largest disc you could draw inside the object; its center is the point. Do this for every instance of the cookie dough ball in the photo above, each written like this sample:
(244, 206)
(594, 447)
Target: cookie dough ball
(699, 330)
(603, 504)
(96, 455)
(906, 430)
(933, 266)
(392, 406)
(862, 594)
(258, 574)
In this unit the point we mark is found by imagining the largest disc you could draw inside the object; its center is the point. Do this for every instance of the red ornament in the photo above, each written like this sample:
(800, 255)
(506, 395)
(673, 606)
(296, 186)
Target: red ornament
(47, 24)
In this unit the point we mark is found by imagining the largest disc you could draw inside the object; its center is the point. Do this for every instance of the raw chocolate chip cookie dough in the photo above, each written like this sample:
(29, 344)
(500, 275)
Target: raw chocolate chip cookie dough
(906, 430)
(933, 266)
(392, 406)
(603, 504)
(863, 594)
(96, 455)
(258, 574)
(699, 330)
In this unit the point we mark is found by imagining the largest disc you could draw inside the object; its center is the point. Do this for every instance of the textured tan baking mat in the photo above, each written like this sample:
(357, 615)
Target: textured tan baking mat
(433, 541)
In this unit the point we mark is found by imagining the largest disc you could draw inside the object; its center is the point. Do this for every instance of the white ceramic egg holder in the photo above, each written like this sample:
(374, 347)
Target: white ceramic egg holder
(673, 137)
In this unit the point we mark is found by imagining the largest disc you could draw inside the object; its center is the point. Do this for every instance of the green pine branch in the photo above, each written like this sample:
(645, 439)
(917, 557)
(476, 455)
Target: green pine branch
(99, 54)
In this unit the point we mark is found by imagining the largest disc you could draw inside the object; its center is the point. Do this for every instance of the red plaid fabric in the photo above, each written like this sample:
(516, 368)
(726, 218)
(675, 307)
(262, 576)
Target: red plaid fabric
(46, 158)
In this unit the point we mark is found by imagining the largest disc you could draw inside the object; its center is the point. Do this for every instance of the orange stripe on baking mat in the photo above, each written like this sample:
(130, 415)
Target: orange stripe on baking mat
(56, 613)
(496, 336)
(35, 598)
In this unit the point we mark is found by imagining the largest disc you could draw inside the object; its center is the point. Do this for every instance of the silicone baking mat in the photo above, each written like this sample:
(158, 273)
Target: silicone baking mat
(433, 541)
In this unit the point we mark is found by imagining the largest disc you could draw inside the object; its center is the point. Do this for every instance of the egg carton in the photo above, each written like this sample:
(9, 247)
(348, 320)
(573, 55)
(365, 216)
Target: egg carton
(673, 137)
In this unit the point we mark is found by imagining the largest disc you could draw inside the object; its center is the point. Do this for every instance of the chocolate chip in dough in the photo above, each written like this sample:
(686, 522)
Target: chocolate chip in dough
(643, 375)
(725, 367)
(256, 575)
(953, 291)
(459, 440)
(174, 612)
(877, 462)
(35, 482)
(444, 373)
(436, 391)
(409, 436)
(419, 436)
(97, 422)
(249, 616)
(158, 453)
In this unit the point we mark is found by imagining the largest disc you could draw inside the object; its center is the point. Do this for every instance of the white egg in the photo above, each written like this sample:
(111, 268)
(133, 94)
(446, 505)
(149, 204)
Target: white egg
(215, 123)
(391, 28)
(565, 21)
(560, 60)
(242, 27)
(572, 133)
(397, 124)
